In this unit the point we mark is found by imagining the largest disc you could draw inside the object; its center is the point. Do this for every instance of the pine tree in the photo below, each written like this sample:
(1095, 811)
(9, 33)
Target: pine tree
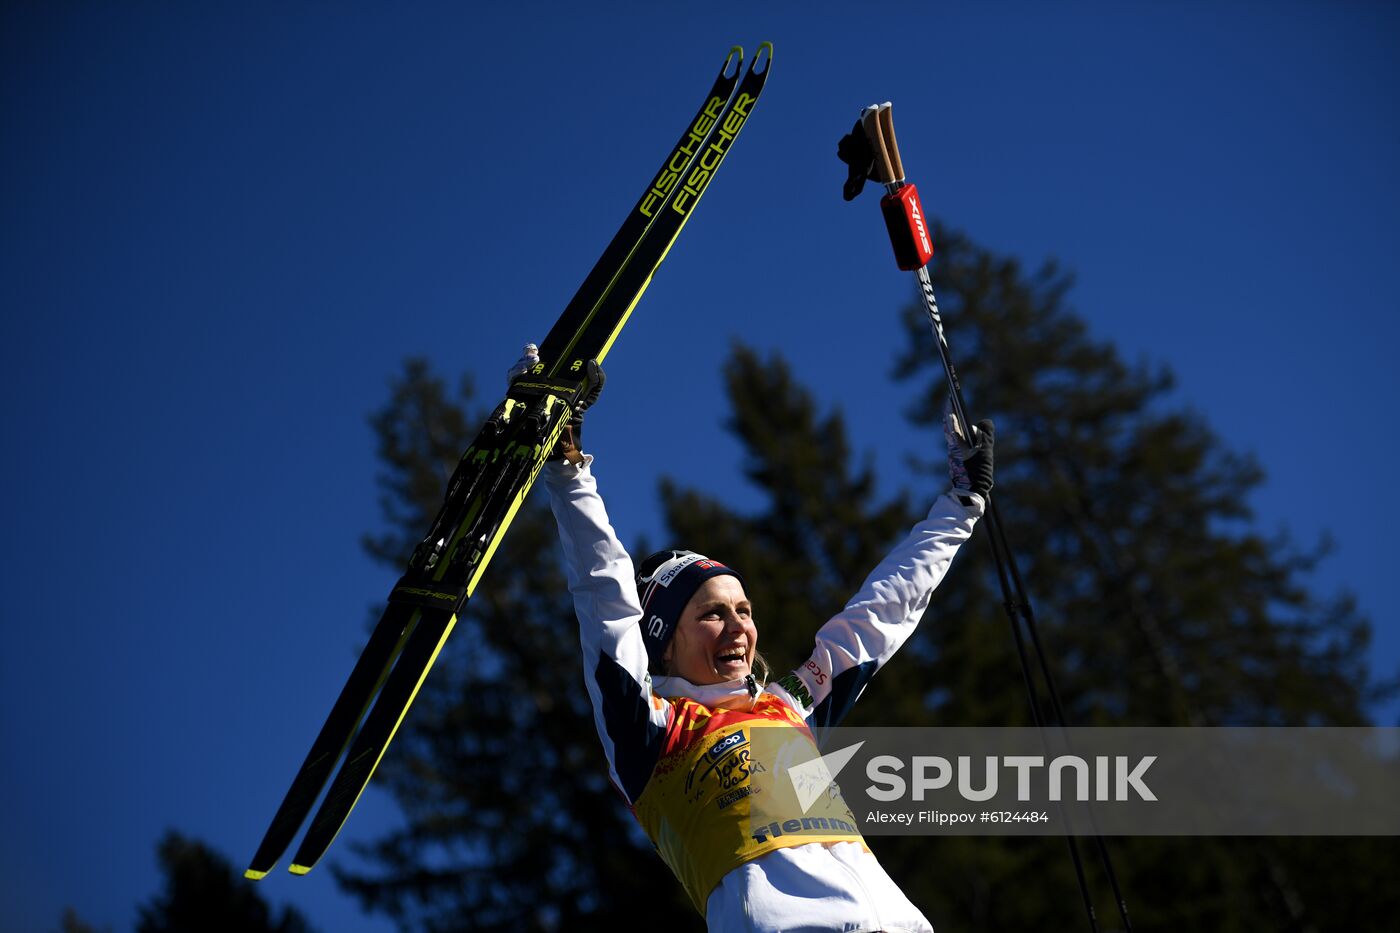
(203, 893)
(1131, 517)
(1158, 600)
(70, 922)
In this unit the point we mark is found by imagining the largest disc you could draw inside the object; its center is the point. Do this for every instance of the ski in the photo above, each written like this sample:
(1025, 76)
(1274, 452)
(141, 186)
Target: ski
(493, 477)
(546, 397)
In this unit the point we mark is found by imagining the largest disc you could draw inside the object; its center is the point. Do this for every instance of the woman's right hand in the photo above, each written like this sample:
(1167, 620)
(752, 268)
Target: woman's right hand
(569, 446)
(528, 358)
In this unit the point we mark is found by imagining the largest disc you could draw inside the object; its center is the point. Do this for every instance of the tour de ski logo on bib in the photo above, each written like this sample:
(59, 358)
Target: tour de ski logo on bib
(729, 764)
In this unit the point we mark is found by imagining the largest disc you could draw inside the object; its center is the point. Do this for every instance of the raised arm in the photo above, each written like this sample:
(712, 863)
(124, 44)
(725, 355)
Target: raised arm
(858, 640)
(631, 721)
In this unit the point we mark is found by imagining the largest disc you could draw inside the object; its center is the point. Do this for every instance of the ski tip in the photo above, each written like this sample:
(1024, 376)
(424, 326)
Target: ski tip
(296, 869)
(735, 56)
(254, 875)
(886, 106)
(763, 56)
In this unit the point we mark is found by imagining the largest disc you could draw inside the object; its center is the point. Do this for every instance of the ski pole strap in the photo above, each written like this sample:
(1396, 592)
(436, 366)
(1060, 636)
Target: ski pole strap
(854, 149)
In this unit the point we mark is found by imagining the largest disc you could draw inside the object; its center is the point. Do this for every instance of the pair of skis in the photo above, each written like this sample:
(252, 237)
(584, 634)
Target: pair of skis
(494, 476)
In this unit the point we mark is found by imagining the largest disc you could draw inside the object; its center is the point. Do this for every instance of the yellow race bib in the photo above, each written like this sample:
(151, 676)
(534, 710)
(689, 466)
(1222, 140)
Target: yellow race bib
(720, 794)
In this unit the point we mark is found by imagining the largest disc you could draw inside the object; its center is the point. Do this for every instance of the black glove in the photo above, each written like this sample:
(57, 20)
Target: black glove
(570, 444)
(970, 466)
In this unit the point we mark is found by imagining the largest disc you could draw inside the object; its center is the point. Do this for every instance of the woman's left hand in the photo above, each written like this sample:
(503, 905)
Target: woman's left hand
(970, 465)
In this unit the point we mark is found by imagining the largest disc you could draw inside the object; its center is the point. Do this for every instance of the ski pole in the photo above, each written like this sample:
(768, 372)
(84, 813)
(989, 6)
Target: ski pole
(871, 149)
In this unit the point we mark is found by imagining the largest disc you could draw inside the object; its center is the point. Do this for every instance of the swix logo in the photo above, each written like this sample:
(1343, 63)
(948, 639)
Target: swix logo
(918, 216)
(655, 627)
(931, 305)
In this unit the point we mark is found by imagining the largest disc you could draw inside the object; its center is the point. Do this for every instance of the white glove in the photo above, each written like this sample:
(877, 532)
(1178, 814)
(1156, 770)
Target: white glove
(530, 356)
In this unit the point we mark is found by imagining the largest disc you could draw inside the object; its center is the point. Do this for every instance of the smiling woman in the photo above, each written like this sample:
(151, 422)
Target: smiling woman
(699, 621)
(679, 694)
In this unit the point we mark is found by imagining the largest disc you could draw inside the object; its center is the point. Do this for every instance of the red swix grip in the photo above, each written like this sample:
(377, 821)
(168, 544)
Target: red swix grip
(904, 216)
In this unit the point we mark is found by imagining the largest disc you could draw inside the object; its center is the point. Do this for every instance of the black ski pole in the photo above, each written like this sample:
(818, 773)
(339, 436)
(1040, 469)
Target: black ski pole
(871, 149)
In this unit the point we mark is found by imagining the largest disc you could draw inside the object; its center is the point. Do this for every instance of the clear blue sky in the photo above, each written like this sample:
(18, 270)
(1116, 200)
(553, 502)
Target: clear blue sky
(225, 225)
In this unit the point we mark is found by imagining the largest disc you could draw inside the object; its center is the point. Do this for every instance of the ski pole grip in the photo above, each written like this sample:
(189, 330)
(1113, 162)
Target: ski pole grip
(904, 219)
(870, 122)
(903, 213)
(887, 136)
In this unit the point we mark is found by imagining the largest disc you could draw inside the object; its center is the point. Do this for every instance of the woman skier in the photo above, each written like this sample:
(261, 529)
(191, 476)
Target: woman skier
(669, 658)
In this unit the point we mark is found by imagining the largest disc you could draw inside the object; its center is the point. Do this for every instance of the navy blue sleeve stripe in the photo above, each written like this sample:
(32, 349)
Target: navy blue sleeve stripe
(846, 688)
(636, 740)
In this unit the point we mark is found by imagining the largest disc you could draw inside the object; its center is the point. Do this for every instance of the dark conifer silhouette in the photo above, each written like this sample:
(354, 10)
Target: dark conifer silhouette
(1160, 603)
(202, 893)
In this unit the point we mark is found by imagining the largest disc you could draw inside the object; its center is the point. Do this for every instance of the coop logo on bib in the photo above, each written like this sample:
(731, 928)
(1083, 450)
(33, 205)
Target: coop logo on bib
(726, 745)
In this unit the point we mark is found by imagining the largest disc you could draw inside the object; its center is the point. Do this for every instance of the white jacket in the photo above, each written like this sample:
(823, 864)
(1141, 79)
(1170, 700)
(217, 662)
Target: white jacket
(830, 886)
